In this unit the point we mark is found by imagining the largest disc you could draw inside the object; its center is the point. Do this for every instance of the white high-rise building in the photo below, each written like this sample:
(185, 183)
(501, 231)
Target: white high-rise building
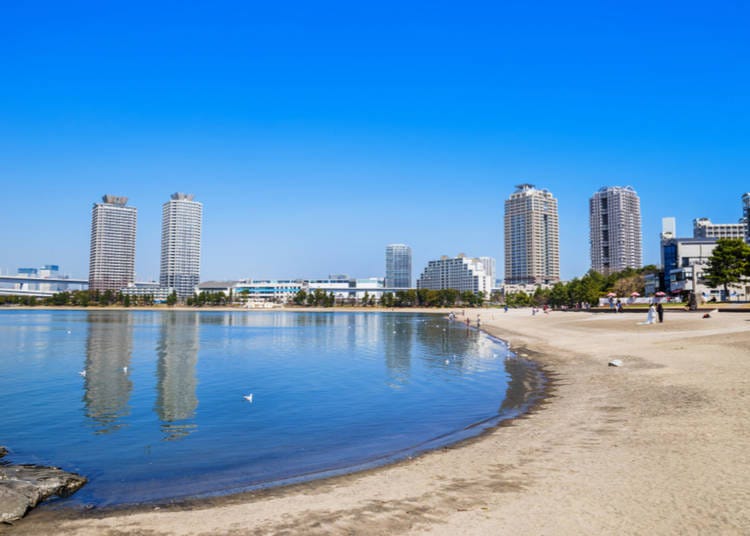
(532, 243)
(460, 273)
(615, 226)
(181, 244)
(668, 228)
(490, 269)
(112, 255)
(397, 266)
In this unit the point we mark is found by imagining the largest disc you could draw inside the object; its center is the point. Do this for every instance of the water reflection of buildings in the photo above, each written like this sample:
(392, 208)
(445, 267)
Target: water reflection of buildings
(177, 351)
(398, 333)
(107, 385)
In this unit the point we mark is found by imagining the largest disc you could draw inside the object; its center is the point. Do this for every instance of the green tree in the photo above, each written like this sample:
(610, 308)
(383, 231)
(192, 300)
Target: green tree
(172, 298)
(728, 263)
(540, 297)
(558, 296)
(300, 298)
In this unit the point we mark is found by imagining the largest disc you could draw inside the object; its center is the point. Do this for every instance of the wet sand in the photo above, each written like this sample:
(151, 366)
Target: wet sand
(658, 446)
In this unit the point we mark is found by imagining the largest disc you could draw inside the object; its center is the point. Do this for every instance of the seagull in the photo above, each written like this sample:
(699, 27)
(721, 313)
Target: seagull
(447, 362)
(69, 332)
(125, 370)
(83, 373)
(249, 397)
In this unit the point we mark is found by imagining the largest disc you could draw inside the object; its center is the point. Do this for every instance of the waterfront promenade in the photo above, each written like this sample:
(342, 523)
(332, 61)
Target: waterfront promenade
(658, 446)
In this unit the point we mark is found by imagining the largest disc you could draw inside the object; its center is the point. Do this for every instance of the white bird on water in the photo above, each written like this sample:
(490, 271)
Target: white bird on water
(125, 370)
(249, 397)
(83, 373)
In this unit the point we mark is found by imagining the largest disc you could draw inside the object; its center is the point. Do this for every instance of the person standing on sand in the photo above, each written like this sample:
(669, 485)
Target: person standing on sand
(650, 315)
(660, 312)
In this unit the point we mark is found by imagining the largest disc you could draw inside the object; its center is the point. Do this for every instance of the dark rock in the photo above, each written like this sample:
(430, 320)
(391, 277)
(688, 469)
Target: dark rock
(3, 451)
(24, 486)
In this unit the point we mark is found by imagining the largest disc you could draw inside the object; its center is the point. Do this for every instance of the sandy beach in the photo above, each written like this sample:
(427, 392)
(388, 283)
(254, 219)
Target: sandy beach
(660, 445)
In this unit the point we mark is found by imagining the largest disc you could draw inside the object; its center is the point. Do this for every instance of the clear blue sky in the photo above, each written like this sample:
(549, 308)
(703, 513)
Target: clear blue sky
(315, 133)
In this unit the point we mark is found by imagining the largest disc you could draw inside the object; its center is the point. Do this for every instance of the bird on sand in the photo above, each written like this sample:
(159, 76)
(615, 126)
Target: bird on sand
(249, 397)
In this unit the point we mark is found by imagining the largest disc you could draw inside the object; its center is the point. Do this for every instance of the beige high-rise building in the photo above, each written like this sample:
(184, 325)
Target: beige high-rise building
(532, 237)
(112, 256)
(615, 225)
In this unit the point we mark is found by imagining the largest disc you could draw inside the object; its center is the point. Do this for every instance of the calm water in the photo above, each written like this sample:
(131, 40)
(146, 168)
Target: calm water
(160, 412)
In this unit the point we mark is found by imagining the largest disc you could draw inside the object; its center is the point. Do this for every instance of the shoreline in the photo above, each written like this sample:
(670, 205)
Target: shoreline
(656, 446)
(536, 391)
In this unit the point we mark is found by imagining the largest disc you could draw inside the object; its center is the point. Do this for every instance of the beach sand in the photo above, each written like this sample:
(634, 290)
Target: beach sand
(660, 445)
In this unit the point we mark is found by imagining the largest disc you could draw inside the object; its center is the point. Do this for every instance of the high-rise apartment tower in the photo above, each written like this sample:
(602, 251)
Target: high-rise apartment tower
(181, 244)
(746, 215)
(532, 243)
(398, 266)
(112, 255)
(615, 226)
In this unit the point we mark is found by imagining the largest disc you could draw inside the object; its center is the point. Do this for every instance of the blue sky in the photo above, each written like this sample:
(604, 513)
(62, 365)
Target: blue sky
(317, 133)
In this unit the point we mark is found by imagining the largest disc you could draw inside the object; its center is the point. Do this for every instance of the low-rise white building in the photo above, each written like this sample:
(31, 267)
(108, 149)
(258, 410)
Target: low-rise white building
(460, 273)
(705, 228)
(151, 288)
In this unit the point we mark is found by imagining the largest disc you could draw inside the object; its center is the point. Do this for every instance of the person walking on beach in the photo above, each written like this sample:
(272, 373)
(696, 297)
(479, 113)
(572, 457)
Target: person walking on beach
(660, 312)
(650, 315)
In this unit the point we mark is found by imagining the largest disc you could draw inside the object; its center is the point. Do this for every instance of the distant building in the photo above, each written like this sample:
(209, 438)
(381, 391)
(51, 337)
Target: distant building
(48, 271)
(532, 244)
(684, 261)
(668, 228)
(460, 273)
(490, 268)
(398, 266)
(112, 255)
(746, 215)
(181, 244)
(704, 228)
(284, 290)
(150, 289)
(615, 229)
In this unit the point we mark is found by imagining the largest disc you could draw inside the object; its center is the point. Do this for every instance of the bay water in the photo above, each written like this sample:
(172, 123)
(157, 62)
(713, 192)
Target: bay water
(150, 405)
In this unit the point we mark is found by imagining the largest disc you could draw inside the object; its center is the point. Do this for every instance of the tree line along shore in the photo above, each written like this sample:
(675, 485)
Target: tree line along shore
(729, 264)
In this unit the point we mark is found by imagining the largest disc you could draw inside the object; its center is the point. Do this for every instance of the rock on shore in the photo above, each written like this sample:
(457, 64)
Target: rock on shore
(24, 486)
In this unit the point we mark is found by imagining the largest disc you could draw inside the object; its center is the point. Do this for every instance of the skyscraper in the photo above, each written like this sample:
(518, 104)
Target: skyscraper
(615, 226)
(746, 215)
(112, 256)
(532, 243)
(181, 244)
(397, 266)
